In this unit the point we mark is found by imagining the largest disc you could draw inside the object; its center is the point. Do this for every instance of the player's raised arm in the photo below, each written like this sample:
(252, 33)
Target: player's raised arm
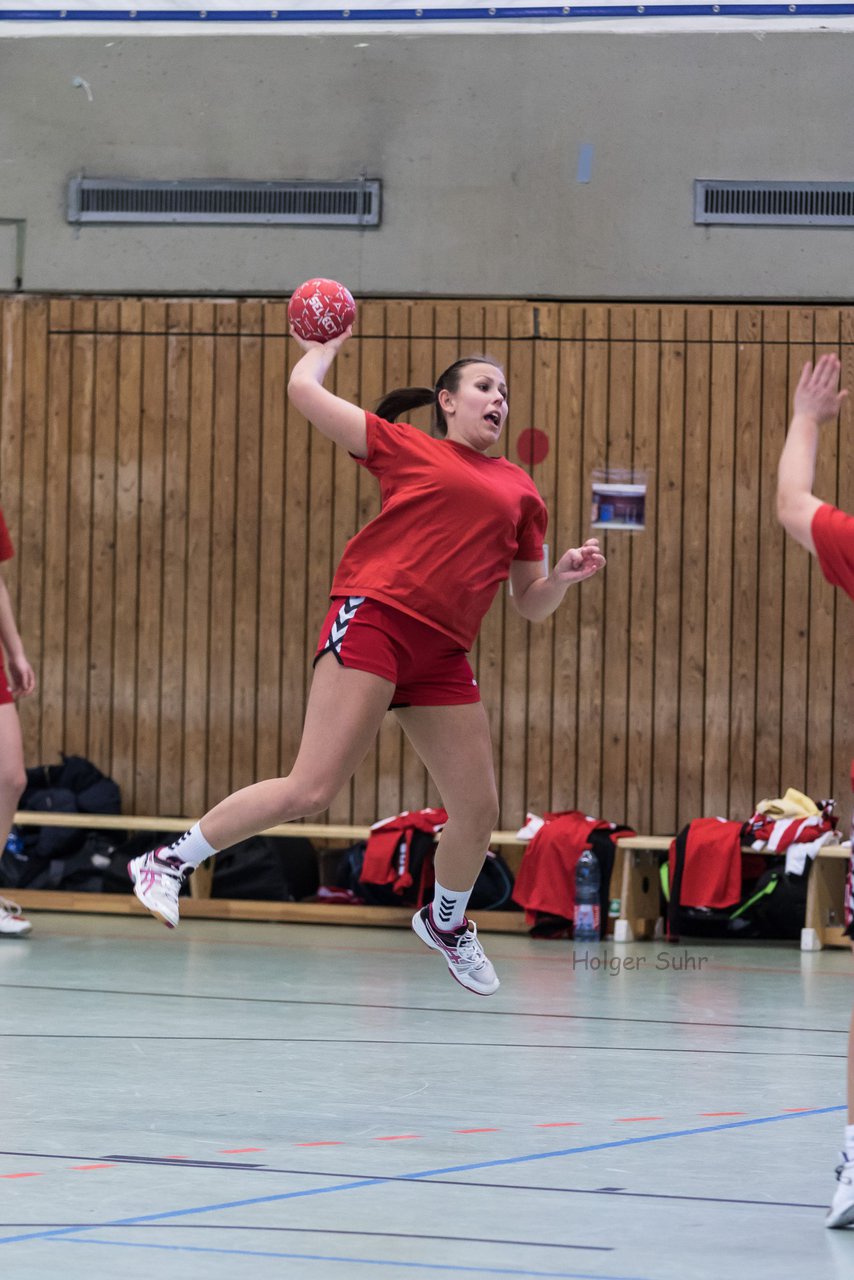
(817, 400)
(338, 419)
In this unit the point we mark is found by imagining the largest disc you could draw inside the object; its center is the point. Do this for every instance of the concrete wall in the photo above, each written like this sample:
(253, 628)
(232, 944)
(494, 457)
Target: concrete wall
(476, 139)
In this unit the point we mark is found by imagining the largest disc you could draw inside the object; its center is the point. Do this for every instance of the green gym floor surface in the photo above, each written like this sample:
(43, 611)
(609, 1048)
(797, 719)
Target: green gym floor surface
(325, 1103)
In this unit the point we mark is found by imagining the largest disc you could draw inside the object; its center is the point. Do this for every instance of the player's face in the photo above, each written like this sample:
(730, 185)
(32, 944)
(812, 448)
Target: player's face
(477, 410)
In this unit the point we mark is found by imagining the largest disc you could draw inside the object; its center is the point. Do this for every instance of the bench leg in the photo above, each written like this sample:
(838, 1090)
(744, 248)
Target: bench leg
(640, 899)
(824, 921)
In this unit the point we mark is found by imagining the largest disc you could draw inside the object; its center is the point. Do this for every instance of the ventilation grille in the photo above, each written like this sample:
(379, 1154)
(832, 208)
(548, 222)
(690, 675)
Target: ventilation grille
(781, 204)
(317, 204)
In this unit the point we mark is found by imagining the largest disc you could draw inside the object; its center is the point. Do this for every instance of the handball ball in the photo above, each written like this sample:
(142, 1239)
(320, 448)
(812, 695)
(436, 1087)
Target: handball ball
(320, 310)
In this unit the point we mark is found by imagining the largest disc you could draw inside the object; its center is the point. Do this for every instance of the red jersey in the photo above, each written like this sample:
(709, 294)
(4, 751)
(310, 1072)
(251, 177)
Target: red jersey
(6, 548)
(451, 523)
(833, 535)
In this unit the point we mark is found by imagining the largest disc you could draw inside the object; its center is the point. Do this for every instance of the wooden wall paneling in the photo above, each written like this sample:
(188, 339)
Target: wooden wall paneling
(642, 599)
(668, 533)
(150, 614)
(79, 544)
(45, 745)
(273, 375)
(28, 585)
(372, 388)
(616, 582)
(99, 746)
(544, 417)
(769, 588)
(198, 620)
(489, 663)
(391, 798)
(592, 594)
(569, 521)
(694, 567)
(174, 656)
(12, 315)
(843, 722)
(219, 745)
(13, 425)
(721, 549)
(747, 475)
(297, 644)
(126, 638)
(516, 726)
(796, 598)
(250, 717)
(823, 601)
(159, 502)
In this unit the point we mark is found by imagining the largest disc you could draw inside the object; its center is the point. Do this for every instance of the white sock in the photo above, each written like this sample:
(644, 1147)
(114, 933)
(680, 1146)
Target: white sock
(848, 1146)
(449, 907)
(191, 847)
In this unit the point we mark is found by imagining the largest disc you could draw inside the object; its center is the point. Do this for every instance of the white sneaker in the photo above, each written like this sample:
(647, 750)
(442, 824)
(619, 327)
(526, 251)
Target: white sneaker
(157, 882)
(12, 923)
(841, 1212)
(461, 949)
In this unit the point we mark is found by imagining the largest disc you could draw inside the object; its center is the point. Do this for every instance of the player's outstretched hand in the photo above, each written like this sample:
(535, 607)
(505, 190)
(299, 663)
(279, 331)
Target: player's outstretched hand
(333, 346)
(817, 394)
(579, 563)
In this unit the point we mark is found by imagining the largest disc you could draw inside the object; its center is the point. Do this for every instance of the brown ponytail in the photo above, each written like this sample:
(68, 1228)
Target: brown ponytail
(394, 403)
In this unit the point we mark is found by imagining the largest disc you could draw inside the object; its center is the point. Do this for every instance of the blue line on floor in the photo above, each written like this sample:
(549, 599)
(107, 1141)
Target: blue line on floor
(370, 1262)
(432, 1173)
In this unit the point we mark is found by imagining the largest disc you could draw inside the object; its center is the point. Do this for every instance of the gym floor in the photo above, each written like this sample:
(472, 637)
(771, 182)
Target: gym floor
(326, 1102)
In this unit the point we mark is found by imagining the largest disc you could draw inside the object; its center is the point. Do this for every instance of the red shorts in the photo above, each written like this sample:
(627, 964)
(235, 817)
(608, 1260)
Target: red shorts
(5, 692)
(426, 667)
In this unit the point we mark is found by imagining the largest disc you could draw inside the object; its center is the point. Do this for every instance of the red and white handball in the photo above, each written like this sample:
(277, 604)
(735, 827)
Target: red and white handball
(320, 310)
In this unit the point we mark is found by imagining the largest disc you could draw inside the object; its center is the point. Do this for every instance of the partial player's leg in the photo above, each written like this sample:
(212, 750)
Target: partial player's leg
(345, 710)
(841, 1213)
(455, 744)
(13, 779)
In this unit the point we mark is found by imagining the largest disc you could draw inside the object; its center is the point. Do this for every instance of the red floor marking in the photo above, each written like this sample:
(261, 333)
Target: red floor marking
(319, 1144)
(238, 1151)
(175, 1157)
(633, 1119)
(84, 1167)
(396, 1137)
(794, 1109)
(21, 1175)
(722, 1113)
(557, 1124)
(477, 1131)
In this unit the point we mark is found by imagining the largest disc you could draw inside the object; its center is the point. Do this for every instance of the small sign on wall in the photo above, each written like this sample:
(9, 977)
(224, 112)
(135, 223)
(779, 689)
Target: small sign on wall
(619, 499)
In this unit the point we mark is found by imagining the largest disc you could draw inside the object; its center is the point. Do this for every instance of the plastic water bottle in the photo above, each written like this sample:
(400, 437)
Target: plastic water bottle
(586, 926)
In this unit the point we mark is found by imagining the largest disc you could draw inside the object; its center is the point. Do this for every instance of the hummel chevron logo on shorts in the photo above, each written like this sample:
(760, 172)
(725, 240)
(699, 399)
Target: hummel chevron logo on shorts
(343, 618)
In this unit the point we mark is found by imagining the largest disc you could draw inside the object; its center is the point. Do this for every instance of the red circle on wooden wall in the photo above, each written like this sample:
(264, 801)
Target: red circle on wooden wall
(532, 446)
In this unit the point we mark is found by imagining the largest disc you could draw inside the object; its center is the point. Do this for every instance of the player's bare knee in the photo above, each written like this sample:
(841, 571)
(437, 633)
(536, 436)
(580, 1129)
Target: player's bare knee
(479, 817)
(315, 796)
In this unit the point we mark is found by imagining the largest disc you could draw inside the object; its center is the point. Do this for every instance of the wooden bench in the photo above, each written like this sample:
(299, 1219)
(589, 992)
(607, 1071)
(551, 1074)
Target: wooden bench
(201, 905)
(635, 882)
(637, 872)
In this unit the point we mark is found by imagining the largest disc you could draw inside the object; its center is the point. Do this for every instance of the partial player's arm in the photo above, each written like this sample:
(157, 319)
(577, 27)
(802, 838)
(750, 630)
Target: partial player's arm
(338, 419)
(22, 680)
(817, 400)
(536, 594)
